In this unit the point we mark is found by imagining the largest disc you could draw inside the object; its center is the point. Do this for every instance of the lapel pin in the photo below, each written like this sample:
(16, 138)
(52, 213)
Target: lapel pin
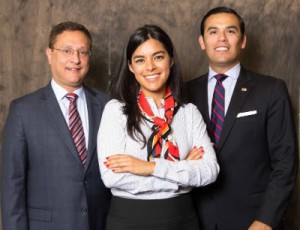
(244, 89)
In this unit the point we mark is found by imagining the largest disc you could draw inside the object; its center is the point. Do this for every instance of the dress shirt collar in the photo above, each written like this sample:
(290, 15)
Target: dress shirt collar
(60, 92)
(233, 73)
(157, 111)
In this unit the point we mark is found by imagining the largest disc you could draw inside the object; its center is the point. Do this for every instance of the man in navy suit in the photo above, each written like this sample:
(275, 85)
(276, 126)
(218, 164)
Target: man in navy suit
(256, 148)
(45, 183)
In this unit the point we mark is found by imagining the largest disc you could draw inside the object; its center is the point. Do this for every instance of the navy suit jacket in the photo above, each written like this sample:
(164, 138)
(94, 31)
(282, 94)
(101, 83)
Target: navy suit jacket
(256, 154)
(44, 185)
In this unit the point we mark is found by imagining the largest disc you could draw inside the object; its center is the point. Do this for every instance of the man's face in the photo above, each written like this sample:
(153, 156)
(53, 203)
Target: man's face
(69, 70)
(222, 41)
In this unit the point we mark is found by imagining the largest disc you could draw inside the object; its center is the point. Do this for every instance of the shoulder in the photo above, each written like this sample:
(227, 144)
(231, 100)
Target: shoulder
(113, 111)
(101, 96)
(197, 80)
(262, 79)
(30, 98)
(262, 84)
(114, 107)
(189, 110)
(193, 86)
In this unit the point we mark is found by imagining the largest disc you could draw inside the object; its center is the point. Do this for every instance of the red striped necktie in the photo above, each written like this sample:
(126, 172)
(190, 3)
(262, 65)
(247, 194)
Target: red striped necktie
(76, 128)
(217, 109)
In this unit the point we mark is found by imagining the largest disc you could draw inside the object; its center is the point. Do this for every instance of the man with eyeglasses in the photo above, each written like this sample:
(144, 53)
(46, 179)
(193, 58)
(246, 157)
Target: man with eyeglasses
(50, 173)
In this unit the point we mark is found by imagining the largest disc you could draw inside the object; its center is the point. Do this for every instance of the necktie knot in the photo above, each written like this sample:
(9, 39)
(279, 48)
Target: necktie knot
(220, 77)
(71, 97)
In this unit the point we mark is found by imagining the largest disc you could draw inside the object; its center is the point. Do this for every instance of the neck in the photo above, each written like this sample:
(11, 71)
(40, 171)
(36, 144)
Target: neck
(157, 97)
(222, 69)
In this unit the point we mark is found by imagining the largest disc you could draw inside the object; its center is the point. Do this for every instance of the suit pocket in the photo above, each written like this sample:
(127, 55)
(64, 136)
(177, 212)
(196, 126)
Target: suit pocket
(39, 214)
(250, 118)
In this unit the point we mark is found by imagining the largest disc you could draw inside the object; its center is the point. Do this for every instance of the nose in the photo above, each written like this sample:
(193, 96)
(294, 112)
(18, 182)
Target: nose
(222, 36)
(76, 57)
(150, 65)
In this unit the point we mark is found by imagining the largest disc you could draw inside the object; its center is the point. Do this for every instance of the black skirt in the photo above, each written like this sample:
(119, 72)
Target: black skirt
(165, 214)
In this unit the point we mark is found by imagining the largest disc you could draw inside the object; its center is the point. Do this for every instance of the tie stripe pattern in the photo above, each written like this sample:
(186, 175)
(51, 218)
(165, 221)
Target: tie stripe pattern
(76, 128)
(217, 109)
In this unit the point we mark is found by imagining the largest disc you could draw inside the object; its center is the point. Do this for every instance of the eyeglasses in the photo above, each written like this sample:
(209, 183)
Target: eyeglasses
(68, 52)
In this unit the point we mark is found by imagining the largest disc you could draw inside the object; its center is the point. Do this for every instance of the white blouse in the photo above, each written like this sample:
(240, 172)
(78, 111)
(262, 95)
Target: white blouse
(169, 179)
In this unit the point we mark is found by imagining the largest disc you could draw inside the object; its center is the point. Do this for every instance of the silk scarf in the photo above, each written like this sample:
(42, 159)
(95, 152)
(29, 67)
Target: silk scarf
(161, 128)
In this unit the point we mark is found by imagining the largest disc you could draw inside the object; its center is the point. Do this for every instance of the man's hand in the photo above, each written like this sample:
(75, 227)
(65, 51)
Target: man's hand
(257, 225)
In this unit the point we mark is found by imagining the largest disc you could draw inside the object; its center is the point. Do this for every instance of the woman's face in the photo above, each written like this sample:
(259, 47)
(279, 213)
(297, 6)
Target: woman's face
(150, 63)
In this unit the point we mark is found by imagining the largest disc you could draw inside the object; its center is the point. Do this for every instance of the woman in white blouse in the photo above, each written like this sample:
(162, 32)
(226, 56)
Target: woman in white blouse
(152, 147)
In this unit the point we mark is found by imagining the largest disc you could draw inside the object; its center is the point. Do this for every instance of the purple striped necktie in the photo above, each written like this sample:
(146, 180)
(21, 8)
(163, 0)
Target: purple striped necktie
(76, 128)
(217, 109)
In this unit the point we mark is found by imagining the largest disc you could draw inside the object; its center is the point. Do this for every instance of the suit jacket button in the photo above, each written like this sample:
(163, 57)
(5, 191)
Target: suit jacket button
(84, 211)
(85, 182)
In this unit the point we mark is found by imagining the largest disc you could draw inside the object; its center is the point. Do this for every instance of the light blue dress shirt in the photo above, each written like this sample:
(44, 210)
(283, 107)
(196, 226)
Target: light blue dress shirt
(60, 94)
(229, 84)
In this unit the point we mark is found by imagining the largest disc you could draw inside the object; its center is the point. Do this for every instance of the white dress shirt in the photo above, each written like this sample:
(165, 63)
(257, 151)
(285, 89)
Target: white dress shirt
(60, 94)
(229, 84)
(169, 179)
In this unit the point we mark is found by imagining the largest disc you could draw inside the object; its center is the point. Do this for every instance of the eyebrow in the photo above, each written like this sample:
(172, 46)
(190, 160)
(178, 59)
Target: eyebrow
(228, 27)
(158, 52)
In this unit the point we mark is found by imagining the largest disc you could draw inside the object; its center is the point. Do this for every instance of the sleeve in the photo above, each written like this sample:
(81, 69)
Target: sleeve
(282, 150)
(171, 175)
(192, 172)
(14, 172)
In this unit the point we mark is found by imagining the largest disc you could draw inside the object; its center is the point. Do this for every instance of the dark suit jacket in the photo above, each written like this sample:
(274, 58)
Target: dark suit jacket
(44, 185)
(256, 154)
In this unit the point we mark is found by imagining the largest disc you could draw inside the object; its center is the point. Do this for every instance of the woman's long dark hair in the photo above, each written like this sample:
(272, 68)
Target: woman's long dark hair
(124, 86)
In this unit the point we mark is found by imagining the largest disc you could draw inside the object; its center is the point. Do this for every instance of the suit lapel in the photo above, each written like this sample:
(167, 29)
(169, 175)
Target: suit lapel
(240, 94)
(55, 116)
(204, 99)
(94, 112)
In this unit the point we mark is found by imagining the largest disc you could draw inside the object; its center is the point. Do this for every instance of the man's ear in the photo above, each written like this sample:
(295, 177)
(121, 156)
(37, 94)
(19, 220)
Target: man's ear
(201, 42)
(244, 42)
(49, 54)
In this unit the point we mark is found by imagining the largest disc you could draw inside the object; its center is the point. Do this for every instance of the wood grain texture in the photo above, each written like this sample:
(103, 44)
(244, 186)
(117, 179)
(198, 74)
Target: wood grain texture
(272, 29)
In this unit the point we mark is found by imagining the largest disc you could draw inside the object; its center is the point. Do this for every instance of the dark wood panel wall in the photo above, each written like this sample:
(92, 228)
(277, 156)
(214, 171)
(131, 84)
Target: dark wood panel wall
(272, 28)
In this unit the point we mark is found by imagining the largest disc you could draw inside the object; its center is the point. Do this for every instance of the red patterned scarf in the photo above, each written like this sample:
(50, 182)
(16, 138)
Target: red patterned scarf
(161, 128)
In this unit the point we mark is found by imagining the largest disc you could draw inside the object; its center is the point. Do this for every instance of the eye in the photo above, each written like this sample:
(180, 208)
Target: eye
(159, 57)
(67, 51)
(84, 53)
(139, 60)
(231, 31)
(212, 32)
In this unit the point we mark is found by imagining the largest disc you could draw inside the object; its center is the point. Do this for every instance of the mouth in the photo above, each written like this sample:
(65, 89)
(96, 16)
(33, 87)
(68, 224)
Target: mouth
(152, 76)
(72, 69)
(222, 48)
